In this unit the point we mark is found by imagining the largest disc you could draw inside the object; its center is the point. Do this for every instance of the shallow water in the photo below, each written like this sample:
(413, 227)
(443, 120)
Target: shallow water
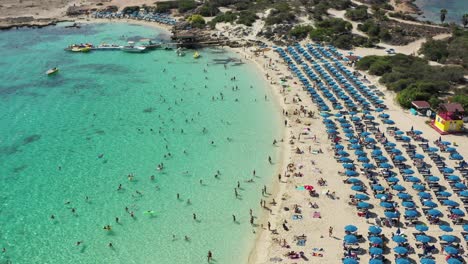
(431, 9)
(109, 114)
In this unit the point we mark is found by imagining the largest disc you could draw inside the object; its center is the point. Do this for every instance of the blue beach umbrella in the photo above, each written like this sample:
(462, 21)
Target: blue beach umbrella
(351, 173)
(359, 152)
(418, 156)
(448, 238)
(368, 165)
(339, 146)
(457, 211)
(377, 152)
(444, 194)
(446, 143)
(432, 149)
(451, 150)
(417, 132)
(424, 195)
(448, 170)
(363, 159)
(346, 160)
(400, 250)
(386, 205)
(422, 228)
(391, 214)
(350, 239)
(342, 153)
(453, 261)
(411, 213)
(402, 261)
(463, 193)
(354, 180)
(375, 251)
(406, 138)
(450, 203)
(408, 171)
(432, 179)
(418, 187)
(408, 204)
(399, 132)
(427, 261)
(430, 204)
(451, 250)
(377, 187)
(399, 188)
(446, 228)
(350, 228)
(361, 196)
(348, 165)
(390, 144)
(375, 240)
(396, 151)
(399, 158)
(363, 205)
(453, 178)
(413, 179)
(375, 230)
(460, 186)
(350, 261)
(456, 156)
(434, 212)
(357, 188)
(385, 165)
(399, 239)
(394, 179)
(389, 122)
(423, 238)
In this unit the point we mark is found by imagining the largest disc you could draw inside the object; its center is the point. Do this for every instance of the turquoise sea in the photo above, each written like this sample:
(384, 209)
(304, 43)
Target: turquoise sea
(431, 9)
(67, 141)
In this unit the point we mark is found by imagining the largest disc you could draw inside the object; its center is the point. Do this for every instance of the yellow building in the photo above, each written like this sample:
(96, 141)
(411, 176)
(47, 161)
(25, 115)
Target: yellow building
(449, 119)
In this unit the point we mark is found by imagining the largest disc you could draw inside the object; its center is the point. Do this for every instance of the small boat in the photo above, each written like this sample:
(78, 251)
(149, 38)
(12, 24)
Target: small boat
(105, 46)
(151, 45)
(80, 47)
(196, 55)
(131, 48)
(52, 71)
(180, 52)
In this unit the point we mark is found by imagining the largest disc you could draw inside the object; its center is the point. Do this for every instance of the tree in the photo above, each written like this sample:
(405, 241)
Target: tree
(197, 21)
(465, 20)
(443, 13)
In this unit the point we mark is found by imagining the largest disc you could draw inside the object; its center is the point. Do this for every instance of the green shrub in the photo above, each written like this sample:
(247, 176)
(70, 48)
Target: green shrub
(357, 14)
(208, 10)
(186, 5)
(196, 21)
(247, 18)
(301, 31)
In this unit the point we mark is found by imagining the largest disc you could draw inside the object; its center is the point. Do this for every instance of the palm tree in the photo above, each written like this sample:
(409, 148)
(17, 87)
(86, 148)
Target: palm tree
(443, 13)
(465, 20)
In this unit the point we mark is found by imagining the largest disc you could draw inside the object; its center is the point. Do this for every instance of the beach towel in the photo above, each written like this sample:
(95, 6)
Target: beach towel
(316, 215)
(300, 188)
(297, 217)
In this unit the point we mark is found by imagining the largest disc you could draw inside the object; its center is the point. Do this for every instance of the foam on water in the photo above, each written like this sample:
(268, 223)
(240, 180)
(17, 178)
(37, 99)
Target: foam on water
(106, 115)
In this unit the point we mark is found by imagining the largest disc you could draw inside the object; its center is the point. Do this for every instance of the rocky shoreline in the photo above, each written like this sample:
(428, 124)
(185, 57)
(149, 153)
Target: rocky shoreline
(29, 22)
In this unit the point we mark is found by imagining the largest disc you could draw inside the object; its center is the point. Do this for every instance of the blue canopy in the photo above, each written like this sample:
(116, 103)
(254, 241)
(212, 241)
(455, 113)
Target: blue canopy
(399, 188)
(350, 228)
(375, 261)
(386, 205)
(375, 251)
(450, 203)
(448, 170)
(385, 165)
(408, 171)
(424, 195)
(363, 159)
(423, 238)
(404, 196)
(427, 261)
(353, 180)
(363, 205)
(375, 240)
(433, 179)
(408, 204)
(418, 187)
(444, 194)
(357, 188)
(339, 146)
(399, 239)
(395, 151)
(375, 230)
(350, 239)
(463, 193)
(451, 250)
(422, 228)
(418, 156)
(454, 178)
(378, 187)
(456, 156)
(411, 213)
(346, 160)
(348, 165)
(400, 250)
(368, 165)
(361, 196)
(351, 173)
(453, 261)
(412, 179)
(399, 132)
(393, 179)
(457, 211)
(350, 261)
(392, 214)
(432, 149)
(390, 144)
(430, 204)
(399, 158)
(377, 152)
(434, 212)
(446, 228)
(402, 261)
(448, 238)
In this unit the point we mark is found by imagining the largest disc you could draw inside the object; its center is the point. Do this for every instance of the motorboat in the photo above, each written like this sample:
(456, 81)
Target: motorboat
(105, 46)
(131, 48)
(151, 45)
(180, 52)
(52, 71)
(80, 47)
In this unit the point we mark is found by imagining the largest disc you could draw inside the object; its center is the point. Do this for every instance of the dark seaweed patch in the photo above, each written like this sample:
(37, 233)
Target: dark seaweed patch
(31, 139)
(9, 150)
(20, 168)
(100, 132)
(148, 110)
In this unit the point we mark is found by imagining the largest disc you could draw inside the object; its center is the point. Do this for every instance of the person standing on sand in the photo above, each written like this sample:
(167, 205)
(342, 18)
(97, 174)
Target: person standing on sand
(330, 231)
